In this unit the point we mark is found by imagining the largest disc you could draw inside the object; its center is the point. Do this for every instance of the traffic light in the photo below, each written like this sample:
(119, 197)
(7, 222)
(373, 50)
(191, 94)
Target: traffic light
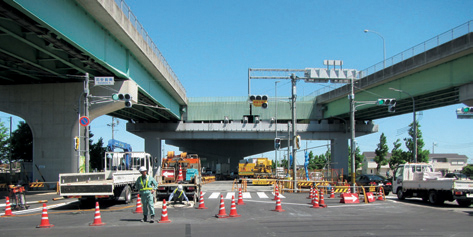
(386, 102)
(391, 103)
(467, 109)
(259, 100)
(277, 143)
(76, 143)
(123, 97)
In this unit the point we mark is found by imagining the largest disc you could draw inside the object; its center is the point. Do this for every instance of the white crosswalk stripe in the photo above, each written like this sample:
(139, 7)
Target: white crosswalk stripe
(246, 195)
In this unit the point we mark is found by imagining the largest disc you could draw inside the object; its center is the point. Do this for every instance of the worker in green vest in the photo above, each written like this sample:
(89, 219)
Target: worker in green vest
(147, 186)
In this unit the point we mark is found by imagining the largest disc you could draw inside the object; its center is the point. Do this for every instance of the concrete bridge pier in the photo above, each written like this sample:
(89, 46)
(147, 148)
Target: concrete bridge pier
(50, 110)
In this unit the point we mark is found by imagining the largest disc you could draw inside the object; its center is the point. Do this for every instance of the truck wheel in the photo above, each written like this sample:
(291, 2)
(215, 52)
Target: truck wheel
(127, 194)
(400, 194)
(464, 202)
(435, 198)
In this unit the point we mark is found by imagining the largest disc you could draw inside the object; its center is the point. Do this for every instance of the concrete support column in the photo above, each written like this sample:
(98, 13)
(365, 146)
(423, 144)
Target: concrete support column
(466, 94)
(50, 110)
(153, 147)
(339, 151)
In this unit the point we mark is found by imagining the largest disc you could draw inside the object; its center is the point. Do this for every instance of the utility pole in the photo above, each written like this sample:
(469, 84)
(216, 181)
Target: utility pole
(113, 124)
(294, 130)
(352, 131)
(9, 153)
(86, 130)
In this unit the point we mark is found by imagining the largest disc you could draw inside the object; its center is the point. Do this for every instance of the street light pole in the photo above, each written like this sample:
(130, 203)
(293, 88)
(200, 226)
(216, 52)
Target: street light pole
(414, 119)
(276, 123)
(294, 130)
(352, 131)
(384, 46)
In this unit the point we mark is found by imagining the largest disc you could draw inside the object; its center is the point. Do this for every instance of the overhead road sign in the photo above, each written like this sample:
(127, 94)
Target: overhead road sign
(104, 81)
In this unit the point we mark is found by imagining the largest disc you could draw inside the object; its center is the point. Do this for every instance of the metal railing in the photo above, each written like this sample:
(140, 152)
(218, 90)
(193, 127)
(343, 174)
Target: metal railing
(134, 21)
(423, 47)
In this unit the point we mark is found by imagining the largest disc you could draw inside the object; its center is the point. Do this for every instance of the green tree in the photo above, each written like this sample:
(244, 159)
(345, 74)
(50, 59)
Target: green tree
(381, 153)
(22, 143)
(398, 156)
(422, 155)
(358, 158)
(317, 161)
(468, 170)
(97, 153)
(4, 144)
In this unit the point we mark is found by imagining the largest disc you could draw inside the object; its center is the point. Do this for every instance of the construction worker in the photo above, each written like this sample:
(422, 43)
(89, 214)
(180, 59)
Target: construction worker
(178, 194)
(147, 186)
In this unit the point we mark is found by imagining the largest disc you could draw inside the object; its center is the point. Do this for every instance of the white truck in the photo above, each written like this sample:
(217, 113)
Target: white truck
(420, 180)
(115, 182)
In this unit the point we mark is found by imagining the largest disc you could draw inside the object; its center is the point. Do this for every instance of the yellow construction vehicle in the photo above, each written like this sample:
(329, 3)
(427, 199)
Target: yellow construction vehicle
(255, 168)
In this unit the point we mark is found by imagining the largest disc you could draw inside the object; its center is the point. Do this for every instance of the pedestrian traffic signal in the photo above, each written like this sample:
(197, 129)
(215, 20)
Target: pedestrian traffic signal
(76, 143)
(123, 97)
(277, 143)
(392, 108)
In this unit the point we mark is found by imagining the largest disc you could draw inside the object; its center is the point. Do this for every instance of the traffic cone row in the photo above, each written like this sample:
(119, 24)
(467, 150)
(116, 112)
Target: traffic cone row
(240, 198)
(201, 202)
(311, 196)
(8, 209)
(139, 208)
(97, 217)
(164, 214)
(44, 218)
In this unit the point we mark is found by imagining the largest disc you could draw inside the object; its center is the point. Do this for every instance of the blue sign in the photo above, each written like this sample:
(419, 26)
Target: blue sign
(84, 121)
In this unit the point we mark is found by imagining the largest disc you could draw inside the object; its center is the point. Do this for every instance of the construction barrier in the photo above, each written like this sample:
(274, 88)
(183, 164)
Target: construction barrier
(263, 182)
(208, 179)
(3, 186)
(36, 185)
(237, 185)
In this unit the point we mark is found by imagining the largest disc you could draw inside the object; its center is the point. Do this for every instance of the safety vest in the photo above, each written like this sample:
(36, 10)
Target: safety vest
(145, 186)
(179, 193)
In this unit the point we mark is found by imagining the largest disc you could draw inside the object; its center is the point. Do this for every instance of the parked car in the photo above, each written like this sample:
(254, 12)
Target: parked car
(374, 180)
(458, 176)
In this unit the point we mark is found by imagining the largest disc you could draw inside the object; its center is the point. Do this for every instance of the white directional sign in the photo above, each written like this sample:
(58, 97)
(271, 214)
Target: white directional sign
(104, 81)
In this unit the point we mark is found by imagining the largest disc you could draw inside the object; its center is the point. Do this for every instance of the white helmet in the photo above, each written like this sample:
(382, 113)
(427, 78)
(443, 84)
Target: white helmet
(179, 187)
(142, 168)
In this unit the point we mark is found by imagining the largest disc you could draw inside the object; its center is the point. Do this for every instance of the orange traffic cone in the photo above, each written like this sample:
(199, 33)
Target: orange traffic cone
(201, 202)
(139, 208)
(44, 218)
(278, 205)
(97, 216)
(233, 211)
(180, 177)
(276, 193)
(310, 193)
(8, 209)
(332, 193)
(222, 213)
(240, 198)
(164, 214)
(322, 201)
(315, 200)
(380, 194)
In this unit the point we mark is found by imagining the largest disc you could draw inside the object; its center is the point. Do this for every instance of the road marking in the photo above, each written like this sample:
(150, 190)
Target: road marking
(246, 195)
(229, 195)
(262, 195)
(41, 208)
(214, 195)
(280, 195)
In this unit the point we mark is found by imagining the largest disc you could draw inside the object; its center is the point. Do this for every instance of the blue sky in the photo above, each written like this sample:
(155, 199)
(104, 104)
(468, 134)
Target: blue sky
(211, 44)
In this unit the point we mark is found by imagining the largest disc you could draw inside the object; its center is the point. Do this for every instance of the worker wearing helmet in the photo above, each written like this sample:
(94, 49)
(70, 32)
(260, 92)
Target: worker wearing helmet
(178, 194)
(146, 185)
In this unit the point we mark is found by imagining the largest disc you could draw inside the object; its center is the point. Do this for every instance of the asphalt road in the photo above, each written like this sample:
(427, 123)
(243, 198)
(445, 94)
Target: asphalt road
(381, 218)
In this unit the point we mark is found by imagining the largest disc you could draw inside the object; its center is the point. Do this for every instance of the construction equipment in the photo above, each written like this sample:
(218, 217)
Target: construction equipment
(115, 182)
(168, 180)
(255, 168)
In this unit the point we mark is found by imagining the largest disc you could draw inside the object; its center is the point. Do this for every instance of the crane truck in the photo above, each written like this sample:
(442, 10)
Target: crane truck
(420, 180)
(115, 182)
